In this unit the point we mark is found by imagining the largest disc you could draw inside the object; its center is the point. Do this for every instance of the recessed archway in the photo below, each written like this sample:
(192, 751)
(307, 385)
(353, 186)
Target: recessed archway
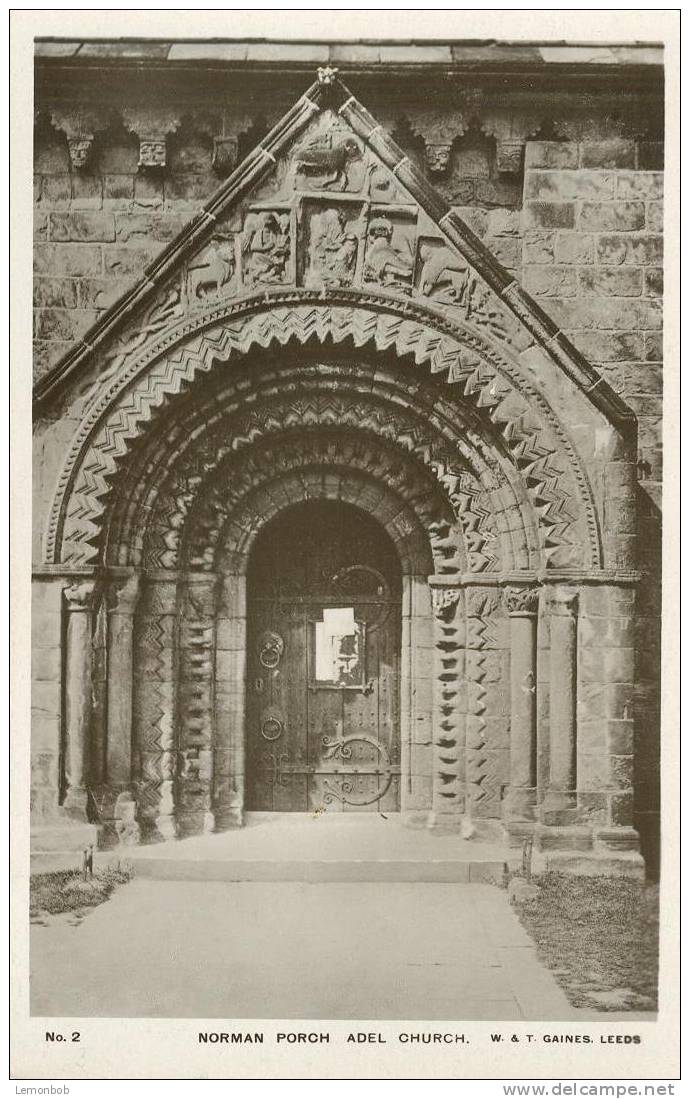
(324, 620)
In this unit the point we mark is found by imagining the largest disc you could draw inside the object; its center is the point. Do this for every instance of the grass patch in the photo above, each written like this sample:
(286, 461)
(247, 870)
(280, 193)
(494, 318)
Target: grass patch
(600, 938)
(66, 891)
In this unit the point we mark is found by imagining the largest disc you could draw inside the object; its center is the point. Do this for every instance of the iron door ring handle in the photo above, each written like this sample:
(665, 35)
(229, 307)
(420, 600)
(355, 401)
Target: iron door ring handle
(274, 725)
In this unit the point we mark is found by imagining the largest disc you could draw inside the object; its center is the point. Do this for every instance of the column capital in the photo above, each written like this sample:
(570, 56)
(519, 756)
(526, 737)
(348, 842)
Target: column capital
(522, 601)
(79, 596)
(123, 594)
(563, 602)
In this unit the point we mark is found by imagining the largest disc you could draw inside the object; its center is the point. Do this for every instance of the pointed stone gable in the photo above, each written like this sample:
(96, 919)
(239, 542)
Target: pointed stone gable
(328, 203)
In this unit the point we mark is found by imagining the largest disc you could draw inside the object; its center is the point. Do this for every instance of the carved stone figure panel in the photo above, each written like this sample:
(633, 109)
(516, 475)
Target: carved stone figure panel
(212, 273)
(267, 252)
(390, 251)
(332, 237)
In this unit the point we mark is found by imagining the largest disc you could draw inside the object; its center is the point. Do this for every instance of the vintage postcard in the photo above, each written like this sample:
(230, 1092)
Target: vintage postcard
(342, 753)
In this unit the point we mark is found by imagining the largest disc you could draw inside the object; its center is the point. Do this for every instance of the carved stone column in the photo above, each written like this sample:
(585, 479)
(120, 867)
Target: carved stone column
(563, 703)
(122, 601)
(154, 676)
(448, 791)
(79, 606)
(230, 703)
(522, 604)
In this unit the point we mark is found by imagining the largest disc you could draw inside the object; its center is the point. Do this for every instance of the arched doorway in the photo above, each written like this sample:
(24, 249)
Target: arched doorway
(323, 663)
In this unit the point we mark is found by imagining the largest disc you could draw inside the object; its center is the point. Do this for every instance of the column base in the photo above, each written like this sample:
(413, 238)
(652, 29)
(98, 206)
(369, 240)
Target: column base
(75, 805)
(563, 838)
(227, 818)
(117, 817)
(559, 807)
(519, 804)
(515, 832)
(595, 863)
(415, 818)
(445, 823)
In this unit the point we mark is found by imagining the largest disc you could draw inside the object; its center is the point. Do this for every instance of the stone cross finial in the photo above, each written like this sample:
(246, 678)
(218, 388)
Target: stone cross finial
(327, 74)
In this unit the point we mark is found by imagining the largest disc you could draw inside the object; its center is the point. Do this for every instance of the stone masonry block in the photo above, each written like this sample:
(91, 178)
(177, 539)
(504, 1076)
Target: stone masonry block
(621, 737)
(607, 346)
(507, 250)
(538, 247)
(640, 185)
(40, 226)
(153, 225)
(148, 190)
(654, 282)
(478, 220)
(592, 771)
(45, 697)
(619, 665)
(502, 223)
(611, 282)
(86, 226)
(591, 731)
(549, 215)
(612, 216)
(87, 192)
(561, 186)
(55, 292)
(118, 188)
(100, 293)
(615, 153)
(551, 281)
(62, 259)
(653, 347)
(574, 248)
(630, 248)
(46, 664)
(124, 262)
(56, 192)
(643, 378)
(621, 807)
(46, 353)
(63, 324)
(550, 154)
(621, 770)
(655, 217)
(622, 315)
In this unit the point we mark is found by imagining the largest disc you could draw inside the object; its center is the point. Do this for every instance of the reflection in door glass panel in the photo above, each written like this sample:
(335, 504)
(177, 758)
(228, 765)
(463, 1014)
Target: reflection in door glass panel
(339, 648)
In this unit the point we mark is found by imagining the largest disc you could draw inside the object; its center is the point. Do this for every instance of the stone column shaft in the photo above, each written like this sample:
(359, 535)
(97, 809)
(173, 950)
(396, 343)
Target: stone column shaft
(522, 609)
(79, 601)
(122, 599)
(563, 703)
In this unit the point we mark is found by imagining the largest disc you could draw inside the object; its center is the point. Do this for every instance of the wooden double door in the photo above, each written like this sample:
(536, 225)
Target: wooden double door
(324, 621)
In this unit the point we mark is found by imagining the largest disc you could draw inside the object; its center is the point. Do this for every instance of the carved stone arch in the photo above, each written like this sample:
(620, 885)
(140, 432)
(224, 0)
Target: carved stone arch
(480, 483)
(509, 403)
(323, 466)
(239, 527)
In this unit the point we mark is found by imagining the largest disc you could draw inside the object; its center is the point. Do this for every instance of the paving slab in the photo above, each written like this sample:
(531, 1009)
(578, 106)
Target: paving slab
(293, 950)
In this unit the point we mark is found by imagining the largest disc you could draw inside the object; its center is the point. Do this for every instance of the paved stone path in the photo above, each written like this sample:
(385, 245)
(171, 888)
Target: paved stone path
(336, 950)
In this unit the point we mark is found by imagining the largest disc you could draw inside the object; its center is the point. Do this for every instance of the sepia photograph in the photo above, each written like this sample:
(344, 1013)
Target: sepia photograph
(346, 532)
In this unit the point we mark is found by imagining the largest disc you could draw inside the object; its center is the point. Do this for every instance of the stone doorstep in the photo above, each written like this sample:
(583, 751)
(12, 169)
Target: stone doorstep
(313, 870)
